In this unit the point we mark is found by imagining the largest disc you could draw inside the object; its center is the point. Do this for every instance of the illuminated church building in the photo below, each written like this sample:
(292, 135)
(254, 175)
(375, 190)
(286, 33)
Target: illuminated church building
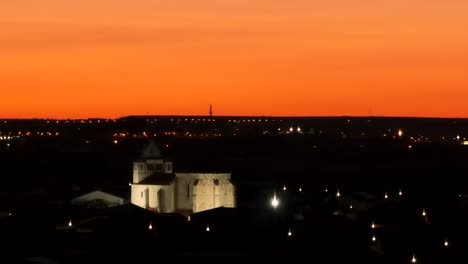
(156, 187)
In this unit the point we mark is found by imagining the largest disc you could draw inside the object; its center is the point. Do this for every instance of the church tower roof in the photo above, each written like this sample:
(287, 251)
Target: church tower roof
(151, 151)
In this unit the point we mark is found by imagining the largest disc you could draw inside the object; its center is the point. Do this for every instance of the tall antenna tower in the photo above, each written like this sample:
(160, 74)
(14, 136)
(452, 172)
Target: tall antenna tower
(211, 110)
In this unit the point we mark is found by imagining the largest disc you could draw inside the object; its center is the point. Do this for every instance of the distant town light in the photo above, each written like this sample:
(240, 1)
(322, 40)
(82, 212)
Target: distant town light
(374, 238)
(373, 225)
(338, 194)
(350, 205)
(299, 129)
(289, 233)
(130, 184)
(274, 201)
(188, 219)
(400, 132)
(10, 214)
(291, 129)
(116, 141)
(386, 195)
(413, 260)
(326, 190)
(207, 228)
(458, 137)
(300, 189)
(446, 243)
(70, 224)
(284, 187)
(424, 212)
(400, 193)
(150, 227)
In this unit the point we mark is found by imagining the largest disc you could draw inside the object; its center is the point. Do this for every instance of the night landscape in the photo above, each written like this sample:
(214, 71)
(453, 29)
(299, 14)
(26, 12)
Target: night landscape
(304, 131)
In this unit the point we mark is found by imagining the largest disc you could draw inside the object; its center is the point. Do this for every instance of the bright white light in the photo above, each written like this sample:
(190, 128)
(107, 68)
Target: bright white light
(289, 233)
(400, 193)
(188, 218)
(373, 225)
(446, 243)
(424, 212)
(129, 184)
(413, 260)
(274, 201)
(386, 195)
(326, 190)
(374, 238)
(291, 129)
(284, 187)
(350, 206)
(299, 129)
(300, 189)
(150, 227)
(207, 228)
(70, 223)
(338, 194)
(9, 214)
(458, 137)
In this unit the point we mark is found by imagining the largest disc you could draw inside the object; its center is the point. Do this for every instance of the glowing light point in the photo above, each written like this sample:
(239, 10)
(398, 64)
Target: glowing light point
(129, 184)
(70, 224)
(289, 233)
(338, 194)
(400, 132)
(188, 218)
(284, 187)
(374, 238)
(350, 205)
(150, 227)
(116, 141)
(424, 212)
(208, 228)
(300, 189)
(386, 195)
(291, 129)
(274, 201)
(299, 129)
(458, 137)
(446, 243)
(373, 225)
(326, 190)
(10, 214)
(413, 260)
(400, 193)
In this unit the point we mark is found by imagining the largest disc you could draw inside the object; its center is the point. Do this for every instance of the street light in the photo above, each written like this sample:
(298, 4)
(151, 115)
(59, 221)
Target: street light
(338, 194)
(413, 260)
(274, 201)
(70, 223)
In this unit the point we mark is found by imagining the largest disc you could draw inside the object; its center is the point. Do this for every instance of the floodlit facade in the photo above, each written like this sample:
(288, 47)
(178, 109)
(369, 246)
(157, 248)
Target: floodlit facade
(156, 187)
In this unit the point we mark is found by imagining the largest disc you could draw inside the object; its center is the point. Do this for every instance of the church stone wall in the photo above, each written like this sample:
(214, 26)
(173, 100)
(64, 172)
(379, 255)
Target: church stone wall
(209, 190)
(139, 193)
(184, 191)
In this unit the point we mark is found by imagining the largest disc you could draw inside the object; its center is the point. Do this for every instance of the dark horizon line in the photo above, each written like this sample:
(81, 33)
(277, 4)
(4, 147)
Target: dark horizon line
(242, 116)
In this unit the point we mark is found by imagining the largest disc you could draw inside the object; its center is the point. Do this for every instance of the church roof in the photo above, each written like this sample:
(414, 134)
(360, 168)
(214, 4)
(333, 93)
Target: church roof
(151, 151)
(159, 179)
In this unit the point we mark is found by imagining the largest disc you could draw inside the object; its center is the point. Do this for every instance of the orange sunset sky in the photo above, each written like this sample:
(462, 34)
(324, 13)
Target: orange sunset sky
(111, 58)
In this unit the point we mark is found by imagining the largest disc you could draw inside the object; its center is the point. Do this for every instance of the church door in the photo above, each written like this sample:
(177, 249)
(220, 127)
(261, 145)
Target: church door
(161, 201)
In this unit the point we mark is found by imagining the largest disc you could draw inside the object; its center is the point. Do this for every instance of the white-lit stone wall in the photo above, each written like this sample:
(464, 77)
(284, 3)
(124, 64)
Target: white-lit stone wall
(205, 194)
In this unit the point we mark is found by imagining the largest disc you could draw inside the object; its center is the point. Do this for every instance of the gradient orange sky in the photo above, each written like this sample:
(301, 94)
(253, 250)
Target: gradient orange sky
(111, 58)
